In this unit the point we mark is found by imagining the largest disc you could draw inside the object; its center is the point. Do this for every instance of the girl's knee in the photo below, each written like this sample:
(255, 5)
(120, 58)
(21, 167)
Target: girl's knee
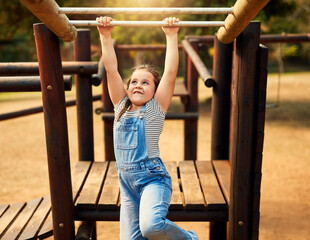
(152, 228)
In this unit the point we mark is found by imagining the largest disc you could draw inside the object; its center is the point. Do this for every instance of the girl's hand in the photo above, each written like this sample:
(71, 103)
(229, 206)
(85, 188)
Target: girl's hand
(104, 27)
(170, 28)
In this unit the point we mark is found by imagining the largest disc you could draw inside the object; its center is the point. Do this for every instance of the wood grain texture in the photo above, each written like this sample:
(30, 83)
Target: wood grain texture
(176, 197)
(193, 196)
(211, 190)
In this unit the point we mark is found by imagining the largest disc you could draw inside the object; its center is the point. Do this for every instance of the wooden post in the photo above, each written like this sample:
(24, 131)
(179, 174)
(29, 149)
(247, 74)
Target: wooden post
(84, 104)
(243, 131)
(220, 115)
(48, 52)
(191, 125)
(260, 119)
(220, 110)
(107, 106)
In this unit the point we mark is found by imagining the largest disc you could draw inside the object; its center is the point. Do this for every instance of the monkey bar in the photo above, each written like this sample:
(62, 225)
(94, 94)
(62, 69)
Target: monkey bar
(149, 10)
(55, 17)
(148, 23)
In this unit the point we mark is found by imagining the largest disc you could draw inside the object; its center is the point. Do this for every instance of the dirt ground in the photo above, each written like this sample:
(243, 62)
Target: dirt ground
(285, 191)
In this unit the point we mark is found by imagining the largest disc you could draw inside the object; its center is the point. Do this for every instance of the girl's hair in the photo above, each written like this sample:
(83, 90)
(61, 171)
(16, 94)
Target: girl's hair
(156, 76)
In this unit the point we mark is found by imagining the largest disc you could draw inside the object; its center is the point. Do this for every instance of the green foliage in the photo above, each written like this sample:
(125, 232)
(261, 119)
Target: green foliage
(288, 16)
(15, 32)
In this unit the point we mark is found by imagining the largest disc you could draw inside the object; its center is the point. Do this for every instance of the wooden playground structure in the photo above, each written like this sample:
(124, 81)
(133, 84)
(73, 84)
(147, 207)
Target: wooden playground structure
(224, 190)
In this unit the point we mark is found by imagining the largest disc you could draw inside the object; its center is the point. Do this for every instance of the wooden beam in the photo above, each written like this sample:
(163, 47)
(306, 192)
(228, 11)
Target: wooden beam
(244, 12)
(27, 84)
(47, 12)
(32, 68)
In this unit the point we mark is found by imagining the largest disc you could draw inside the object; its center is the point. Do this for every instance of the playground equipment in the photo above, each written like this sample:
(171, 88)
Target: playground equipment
(238, 17)
(225, 189)
(206, 193)
(217, 191)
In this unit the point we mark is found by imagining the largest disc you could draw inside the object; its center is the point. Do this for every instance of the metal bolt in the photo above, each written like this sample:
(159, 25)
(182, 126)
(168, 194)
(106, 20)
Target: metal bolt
(49, 87)
(61, 225)
(240, 223)
(81, 69)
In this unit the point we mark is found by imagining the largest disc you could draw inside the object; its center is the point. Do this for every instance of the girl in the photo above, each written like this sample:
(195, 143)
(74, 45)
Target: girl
(140, 111)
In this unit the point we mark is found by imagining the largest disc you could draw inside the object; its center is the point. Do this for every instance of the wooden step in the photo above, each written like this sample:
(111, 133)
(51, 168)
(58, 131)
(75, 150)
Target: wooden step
(23, 220)
(196, 192)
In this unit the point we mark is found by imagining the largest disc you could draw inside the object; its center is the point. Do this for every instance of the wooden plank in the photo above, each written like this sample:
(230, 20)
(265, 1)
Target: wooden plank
(37, 219)
(180, 89)
(110, 191)
(91, 190)
(9, 216)
(222, 170)
(47, 228)
(193, 196)
(3, 208)
(79, 175)
(17, 227)
(211, 189)
(176, 197)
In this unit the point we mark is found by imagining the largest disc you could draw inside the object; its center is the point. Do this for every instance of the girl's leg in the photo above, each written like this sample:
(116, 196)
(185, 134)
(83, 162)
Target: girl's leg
(154, 206)
(129, 215)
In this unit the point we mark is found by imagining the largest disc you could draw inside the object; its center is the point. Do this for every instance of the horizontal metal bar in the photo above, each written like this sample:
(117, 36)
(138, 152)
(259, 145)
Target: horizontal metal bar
(93, 10)
(149, 23)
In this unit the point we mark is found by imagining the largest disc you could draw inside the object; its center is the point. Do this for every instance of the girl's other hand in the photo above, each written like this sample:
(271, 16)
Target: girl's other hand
(104, 27)
(171, 28)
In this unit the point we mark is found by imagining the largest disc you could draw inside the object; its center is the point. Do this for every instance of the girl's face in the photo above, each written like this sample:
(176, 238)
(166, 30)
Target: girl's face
(141, 88)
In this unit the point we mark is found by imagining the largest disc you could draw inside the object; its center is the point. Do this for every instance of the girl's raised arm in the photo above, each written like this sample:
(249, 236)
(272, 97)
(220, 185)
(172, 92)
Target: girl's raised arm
(115, 82)
(165, 88)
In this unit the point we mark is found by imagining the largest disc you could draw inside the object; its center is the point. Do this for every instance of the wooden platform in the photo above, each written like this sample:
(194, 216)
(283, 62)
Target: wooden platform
(196, 196)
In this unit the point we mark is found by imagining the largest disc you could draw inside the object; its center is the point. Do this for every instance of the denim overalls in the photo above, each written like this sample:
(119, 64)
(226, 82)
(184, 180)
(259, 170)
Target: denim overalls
(145, 186)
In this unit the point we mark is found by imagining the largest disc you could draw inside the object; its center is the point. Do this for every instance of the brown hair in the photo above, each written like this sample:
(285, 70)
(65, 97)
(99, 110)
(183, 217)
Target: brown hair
(156, 76)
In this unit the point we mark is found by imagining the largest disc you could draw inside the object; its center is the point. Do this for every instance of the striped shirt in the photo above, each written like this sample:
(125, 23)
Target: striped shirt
(154, 121)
